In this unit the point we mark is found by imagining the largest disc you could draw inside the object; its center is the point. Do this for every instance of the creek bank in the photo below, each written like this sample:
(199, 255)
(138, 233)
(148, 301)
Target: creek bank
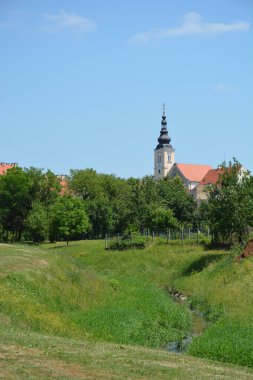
(199, 322)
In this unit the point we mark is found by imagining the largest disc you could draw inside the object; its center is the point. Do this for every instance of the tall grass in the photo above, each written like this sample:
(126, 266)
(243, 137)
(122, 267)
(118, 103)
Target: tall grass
(223, 291)
(83, 291)
(228, 340)
(69, 298)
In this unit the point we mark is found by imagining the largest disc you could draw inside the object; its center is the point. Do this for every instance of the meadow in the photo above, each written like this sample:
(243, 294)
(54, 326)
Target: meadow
(101, 309)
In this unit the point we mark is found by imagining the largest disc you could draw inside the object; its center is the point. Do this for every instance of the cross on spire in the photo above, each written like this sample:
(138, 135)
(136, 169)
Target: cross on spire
(163, 109)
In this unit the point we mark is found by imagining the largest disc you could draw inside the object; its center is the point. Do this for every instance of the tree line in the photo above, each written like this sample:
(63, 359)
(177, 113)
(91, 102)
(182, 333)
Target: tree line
(34, 207)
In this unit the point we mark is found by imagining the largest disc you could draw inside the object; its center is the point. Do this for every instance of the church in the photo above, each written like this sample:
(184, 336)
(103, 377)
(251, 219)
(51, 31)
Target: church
(166, 166)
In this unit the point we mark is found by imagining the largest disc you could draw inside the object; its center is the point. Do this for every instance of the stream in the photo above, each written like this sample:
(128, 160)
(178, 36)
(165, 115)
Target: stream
(199, 325)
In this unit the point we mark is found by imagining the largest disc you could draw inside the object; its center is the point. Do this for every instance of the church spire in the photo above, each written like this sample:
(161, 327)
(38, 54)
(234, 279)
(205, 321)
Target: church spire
(164, 154)
(164, 138)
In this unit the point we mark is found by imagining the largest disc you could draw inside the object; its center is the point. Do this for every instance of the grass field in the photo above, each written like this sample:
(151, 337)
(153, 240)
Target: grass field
(81, 308)
(29, 355)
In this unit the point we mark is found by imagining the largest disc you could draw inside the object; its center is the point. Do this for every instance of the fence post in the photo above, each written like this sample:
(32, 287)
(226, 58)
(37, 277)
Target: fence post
(189, 234)
(153, 235)
(167, 235)
(105, 241)
(182, 235)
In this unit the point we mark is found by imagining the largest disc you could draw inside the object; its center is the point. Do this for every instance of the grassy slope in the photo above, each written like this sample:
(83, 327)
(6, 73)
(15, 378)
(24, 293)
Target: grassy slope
(217, 283)
(31, 355)
(83, 292)
(65, 296)
(227, 287)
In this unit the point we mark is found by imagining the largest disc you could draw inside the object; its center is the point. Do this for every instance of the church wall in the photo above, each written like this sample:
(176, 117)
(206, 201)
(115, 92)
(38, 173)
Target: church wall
(162, 165)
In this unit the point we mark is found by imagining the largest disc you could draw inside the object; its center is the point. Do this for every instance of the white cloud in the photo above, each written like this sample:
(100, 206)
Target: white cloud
(70, 21)
(193, 24)
(222, 87)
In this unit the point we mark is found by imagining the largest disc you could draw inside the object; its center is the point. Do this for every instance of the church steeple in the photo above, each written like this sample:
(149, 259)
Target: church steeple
(164, 138)
(164, 152)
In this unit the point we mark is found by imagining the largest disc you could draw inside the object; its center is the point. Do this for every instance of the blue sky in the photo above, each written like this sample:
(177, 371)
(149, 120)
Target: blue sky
(82, 83)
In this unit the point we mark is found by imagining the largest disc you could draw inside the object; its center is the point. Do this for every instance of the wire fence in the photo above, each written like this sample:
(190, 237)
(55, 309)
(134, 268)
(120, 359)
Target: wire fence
(140, 240)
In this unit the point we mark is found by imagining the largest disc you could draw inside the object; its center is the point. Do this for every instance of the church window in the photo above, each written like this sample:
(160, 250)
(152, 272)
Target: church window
(169, 157)
(159, 159)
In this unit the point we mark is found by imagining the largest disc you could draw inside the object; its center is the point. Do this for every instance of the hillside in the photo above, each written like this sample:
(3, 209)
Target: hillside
(80, 311)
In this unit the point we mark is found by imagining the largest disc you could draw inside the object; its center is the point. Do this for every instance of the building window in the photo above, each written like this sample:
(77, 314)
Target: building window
(159, 159)
(169, 157)
(159, 171)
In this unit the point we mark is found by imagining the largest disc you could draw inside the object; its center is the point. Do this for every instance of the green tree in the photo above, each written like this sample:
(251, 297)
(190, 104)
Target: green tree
(230, 204)
(107, 200)
(68, 219)
(15, 201)
(161, 219)
(95, 190)
(139, 207)
(44, 187)
(36, 223)
(100, 216)
(174, 196)
(19, 189)
(86, 183)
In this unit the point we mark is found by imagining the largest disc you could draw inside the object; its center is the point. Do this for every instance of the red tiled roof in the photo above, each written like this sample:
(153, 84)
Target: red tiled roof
(4, 167)
(212, 177)
(194, 173)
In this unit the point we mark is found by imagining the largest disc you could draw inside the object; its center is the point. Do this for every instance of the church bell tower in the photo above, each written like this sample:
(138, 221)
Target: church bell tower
(164, 154)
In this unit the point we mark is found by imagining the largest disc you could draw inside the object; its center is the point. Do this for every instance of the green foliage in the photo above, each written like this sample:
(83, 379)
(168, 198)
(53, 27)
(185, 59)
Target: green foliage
(228, 341)
(16, 200)
(100, 216)
(37, 223)
(68, 219)
(104, 199)
(230, 204)
(236, 250)
(44, 187)
(20, 189)
(174, 196)
(161, 219)
(86, 183)
(114, 205)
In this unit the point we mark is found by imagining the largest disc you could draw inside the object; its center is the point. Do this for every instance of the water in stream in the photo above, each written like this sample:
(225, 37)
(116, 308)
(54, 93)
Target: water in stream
(199, 325)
